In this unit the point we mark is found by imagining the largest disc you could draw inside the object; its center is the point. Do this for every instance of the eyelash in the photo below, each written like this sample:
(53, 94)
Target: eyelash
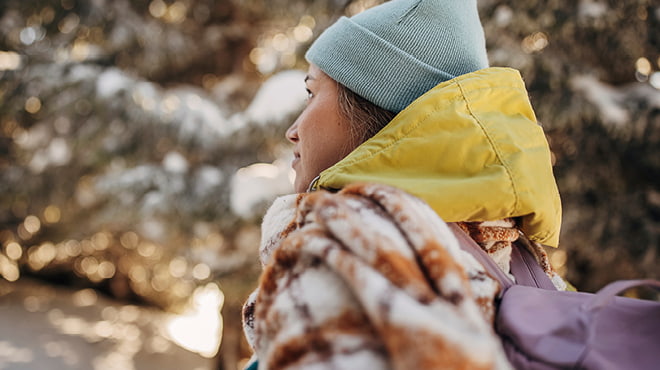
(309, 94)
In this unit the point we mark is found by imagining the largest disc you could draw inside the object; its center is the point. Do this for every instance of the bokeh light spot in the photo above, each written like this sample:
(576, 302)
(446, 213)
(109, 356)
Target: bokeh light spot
(199, 328)
(106, 270)
(52, 214)
(84, 297)
(534, 42)
(32, 105)
(643, 66)
(176, 12)
(129, 240)
(201, 271)
(129, 313)
(13, 250)
(280, 42)
(178, 267)
(302, 33)
(32, 224)
(157, 8)
(69, 23)
(308, 21)
(9, 270)
(31, 303)
(101, 241)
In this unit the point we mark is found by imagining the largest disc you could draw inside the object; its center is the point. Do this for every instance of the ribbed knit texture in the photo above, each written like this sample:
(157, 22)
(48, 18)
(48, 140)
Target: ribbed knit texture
(395, 52)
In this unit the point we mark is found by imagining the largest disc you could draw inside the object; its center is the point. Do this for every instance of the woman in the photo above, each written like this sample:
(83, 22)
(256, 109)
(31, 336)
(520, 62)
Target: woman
(401, 95)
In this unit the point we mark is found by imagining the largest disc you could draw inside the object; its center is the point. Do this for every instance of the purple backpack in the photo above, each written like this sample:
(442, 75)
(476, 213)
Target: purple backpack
(543, 328)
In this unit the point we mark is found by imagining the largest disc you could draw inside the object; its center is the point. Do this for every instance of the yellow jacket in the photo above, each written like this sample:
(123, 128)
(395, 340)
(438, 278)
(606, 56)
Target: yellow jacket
(471, 148)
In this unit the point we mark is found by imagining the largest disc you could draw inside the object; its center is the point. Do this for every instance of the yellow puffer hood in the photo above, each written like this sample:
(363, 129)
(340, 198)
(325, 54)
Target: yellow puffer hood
(471, 148)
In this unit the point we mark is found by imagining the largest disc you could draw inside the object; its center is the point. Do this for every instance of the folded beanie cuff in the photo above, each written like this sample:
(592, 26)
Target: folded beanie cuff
(359, 58)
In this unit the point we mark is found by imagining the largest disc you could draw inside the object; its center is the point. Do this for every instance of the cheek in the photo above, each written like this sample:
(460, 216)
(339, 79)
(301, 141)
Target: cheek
(315, 126)
(324, 136)
(325, 152)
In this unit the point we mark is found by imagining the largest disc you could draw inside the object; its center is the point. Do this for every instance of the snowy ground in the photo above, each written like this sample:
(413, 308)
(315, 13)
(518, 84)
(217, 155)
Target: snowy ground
(46, 327)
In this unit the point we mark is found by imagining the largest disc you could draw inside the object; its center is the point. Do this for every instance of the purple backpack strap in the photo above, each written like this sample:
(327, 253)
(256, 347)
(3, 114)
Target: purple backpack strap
(469, 245)
(527, 270)
(542, 328)
(523, 264)
(606, 295)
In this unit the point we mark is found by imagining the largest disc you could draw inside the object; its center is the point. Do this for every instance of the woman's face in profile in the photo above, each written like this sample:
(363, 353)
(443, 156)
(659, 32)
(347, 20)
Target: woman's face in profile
(320, 135)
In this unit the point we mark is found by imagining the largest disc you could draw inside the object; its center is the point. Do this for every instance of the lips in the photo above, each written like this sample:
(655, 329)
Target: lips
(296, 159)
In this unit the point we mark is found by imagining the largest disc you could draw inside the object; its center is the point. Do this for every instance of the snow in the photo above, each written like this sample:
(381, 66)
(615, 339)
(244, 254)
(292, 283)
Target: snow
(200, 117)
(196, 118)
(82, 73)
(280, 96)
(654, 80)
(59, 152)
(111, 82)
(36, 137)
(606, 98)
(616, 104)
(176, 163)
(503, 15)
(146, 94)
(154, 202)
(39, 162)
(135, 179)
(258, 184)
(207, 178)
(46, 151)
(591, 9)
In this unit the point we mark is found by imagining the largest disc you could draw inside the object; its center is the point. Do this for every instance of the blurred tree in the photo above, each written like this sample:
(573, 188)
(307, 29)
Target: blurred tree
(592, 71)
(129, 130)
(124, 126)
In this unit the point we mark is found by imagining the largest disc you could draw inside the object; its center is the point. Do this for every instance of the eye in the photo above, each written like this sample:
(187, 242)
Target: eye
(309, 94)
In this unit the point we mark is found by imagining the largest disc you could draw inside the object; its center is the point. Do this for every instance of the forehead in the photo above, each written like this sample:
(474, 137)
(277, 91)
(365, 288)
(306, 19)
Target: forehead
(314, 73)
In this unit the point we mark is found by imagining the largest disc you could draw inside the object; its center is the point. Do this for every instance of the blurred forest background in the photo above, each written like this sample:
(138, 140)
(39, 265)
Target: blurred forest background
(141, 141)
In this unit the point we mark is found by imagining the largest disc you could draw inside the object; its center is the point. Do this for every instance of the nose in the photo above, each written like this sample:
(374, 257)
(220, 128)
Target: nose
(292, 132)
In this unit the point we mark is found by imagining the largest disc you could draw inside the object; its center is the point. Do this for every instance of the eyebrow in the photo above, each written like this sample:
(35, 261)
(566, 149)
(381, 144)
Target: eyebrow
(308, 77)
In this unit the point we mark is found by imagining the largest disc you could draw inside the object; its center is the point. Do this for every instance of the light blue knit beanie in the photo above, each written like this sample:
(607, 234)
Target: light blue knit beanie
(393, 53)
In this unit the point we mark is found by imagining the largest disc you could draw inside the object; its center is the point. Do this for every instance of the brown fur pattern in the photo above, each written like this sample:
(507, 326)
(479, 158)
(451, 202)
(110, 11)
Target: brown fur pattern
(497, 238)
(369, 278)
